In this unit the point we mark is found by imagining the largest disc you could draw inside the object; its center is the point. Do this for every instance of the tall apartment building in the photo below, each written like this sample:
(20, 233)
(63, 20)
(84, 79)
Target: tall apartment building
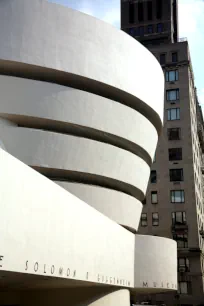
(174, 203)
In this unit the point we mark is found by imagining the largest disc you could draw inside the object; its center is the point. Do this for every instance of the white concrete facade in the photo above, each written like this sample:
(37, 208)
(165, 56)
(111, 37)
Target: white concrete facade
(77, 119)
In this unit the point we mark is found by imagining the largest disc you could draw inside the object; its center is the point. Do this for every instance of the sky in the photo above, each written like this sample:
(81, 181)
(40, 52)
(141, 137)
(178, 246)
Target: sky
(191, 25)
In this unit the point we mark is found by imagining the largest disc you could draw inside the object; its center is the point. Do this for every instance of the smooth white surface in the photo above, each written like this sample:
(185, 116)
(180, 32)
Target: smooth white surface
(68, 105)
(118, 206)
(155, 262)
(52, 36)
(41, 222)
(52, 150)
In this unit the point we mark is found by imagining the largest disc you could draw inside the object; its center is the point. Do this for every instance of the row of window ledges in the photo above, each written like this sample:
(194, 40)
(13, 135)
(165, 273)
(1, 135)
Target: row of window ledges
(147, 30)
(145, 11)
(175, 175)
(178, 218)
(176, 196)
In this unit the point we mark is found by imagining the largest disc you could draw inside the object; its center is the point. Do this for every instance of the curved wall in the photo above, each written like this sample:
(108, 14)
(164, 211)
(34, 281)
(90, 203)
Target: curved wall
(124, 209)
(81, 110)
(41, 34)
(85, 110)
(64, 109)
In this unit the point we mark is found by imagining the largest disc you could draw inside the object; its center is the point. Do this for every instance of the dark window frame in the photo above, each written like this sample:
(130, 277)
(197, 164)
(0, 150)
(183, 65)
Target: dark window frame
(174, 54)
(176, 75)
(185, 265)
(181, 238)
(176, 175)
(162, 55)
(153, 181)
(155, 221)
(189, 287)
(173, 196)
(175, 154)
(169, 115)
(150, 26)
(160, 27)
(175, 218)
(154, 193)
(144, 220)
(176, 90)
(176, 130)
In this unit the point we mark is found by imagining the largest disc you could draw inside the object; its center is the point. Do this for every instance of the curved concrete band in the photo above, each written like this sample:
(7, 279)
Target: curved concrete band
(97, 63)
(65, 152)
(118, 206)
(65, 106)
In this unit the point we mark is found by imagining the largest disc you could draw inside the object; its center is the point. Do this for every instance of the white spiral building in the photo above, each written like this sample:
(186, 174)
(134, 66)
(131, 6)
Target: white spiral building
(76, 107)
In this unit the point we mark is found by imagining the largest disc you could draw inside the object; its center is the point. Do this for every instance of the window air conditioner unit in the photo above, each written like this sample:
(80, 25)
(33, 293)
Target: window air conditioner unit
(172, 82)
(173, 102)
(176, 183)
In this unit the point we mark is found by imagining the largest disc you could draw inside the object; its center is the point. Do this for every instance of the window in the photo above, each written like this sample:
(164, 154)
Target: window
(174, 57)
(174, 133)
(149, 10)
(184, 287)
(153, 176)
(155, 219)
(172, 94)
(136, 32)
(159, 27)
(178, 217)
(141, 31)
(172, 76)
(183, 264)
(144, 220)
(159, 9)
(131, 12)
(181, 239)
(175, 154)
(162, 58)
(150, 29)
(154, 197)
(140, 12)
(132, 32)
(177, 196)
(176, 175)
(173, 114)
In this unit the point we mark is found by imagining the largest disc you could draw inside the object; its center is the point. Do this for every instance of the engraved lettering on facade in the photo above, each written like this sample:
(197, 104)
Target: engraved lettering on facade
(1, 259)
(60, 271)
(52, 269)
(36, 267)
(26, 268)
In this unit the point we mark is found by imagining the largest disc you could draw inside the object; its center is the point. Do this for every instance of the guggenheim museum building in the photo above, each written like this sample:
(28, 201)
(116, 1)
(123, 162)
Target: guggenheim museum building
(81, 109)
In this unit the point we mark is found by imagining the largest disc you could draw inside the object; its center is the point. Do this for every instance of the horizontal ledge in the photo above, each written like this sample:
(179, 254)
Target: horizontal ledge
(61, 175)
(78, 130)
(50, 75)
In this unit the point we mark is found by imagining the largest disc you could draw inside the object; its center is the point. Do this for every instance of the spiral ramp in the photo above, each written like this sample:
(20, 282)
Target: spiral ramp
(81, 103)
